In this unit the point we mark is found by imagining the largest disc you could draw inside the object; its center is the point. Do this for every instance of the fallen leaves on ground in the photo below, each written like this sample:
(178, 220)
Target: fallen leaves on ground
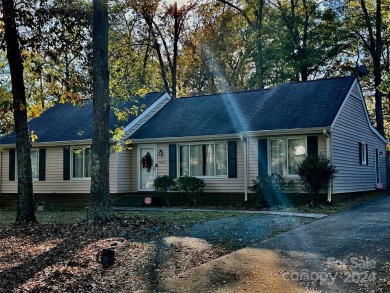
(65, 258)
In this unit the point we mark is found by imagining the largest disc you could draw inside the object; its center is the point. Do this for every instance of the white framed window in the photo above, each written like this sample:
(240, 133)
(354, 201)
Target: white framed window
(34, 154)
(204, 159)
(81, 161)
(363, 152)
(35, 164)
(286, 154)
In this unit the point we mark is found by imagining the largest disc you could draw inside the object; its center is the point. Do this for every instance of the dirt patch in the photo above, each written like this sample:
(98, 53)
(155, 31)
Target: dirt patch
(66, 257)
(246, 270)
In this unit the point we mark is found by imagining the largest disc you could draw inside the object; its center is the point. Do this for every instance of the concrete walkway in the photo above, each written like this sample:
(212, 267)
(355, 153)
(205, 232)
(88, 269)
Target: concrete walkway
(346, 252)
(304, 215)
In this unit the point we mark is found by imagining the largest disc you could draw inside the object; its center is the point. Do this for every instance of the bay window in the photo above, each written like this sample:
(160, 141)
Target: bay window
(286, 154)
(208, 159)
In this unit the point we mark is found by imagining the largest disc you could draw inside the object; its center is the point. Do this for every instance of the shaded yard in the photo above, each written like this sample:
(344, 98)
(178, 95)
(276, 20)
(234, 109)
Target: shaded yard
(62, 253)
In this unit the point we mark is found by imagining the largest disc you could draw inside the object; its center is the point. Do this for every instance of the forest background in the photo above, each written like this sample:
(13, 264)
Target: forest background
(199, 47)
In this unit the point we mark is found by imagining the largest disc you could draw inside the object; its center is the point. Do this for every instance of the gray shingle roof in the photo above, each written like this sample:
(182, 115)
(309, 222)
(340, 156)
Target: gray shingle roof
(291, 105)
(66, 122)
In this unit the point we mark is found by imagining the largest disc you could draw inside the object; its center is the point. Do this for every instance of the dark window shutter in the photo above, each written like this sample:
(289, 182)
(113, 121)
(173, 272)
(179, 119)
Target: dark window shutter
(360, 153)
(312, 146)
(12, 169)
(262, 156)
(172, 161)
(232, 159)
(42, 164)
(366, 153)
(66, 163)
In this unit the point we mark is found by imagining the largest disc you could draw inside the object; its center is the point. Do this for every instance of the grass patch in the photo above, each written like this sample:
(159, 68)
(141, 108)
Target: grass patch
(182, 217)
(337, 206)
(7, 217)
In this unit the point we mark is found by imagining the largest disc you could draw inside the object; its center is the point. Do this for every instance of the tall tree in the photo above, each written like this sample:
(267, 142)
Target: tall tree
(134, 69)
(311, 36)
(100, 203)
(25, 205)
(217, 55)
(56, 42)
(165, 28)
(374, 46)
(368, 23)
(256, 23)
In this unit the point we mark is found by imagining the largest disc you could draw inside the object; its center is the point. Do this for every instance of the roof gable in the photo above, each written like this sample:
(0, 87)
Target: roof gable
(288, 106)
(356, 92)
(68, 122)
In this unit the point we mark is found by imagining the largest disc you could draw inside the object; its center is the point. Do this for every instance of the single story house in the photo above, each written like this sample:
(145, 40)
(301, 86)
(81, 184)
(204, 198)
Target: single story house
(227, 139)
(61, 154)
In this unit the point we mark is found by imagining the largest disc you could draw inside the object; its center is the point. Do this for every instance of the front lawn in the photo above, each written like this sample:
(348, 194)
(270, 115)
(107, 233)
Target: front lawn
(7, 217)
(336, 206)
(63, 252)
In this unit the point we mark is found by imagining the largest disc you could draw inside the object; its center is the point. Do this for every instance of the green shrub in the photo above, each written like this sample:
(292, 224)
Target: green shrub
(163, 184)
(315, 173)
(270, 189)
(192, 186)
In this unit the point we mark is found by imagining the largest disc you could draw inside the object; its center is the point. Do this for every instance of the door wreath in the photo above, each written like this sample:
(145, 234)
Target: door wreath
(147, 162)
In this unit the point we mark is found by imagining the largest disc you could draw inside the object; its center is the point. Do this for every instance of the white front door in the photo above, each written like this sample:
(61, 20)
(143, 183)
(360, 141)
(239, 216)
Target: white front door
(146, 167)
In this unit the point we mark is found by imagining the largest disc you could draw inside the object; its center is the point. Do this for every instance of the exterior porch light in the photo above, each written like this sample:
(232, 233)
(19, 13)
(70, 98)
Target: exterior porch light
(160, 152)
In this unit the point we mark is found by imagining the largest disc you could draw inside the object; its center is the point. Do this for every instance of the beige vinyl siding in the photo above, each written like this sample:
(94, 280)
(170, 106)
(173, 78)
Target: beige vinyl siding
(54, 182)
(163, 161)
(133, 169)
(124, 172)
(6, 185)
(321, 145)
(113, 173)
(253, 155)
(350, 128)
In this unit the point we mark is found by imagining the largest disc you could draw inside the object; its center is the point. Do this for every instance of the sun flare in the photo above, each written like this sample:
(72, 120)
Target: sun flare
(179, 2)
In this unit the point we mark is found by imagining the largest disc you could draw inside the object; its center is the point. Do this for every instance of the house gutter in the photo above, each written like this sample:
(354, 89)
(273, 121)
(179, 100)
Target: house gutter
(245, 146)
(51, 143)
(327, 140)
(247, 134)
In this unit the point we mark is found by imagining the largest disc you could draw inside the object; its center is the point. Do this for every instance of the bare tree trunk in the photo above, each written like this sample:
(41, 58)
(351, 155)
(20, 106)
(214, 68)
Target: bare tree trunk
(260, 70)
(377, 69)
(374, 46)
(175, 51)
(162, 69)
(100, 203)
(25, 206)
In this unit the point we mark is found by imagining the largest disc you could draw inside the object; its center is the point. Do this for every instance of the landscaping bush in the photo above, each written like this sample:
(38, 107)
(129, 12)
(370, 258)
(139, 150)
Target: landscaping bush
(315, 173)
(269, 189)
(163, 184)
(192, 186)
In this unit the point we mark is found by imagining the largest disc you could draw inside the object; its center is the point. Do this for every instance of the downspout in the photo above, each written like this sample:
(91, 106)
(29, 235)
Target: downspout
(327, 140)
(245, 146)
